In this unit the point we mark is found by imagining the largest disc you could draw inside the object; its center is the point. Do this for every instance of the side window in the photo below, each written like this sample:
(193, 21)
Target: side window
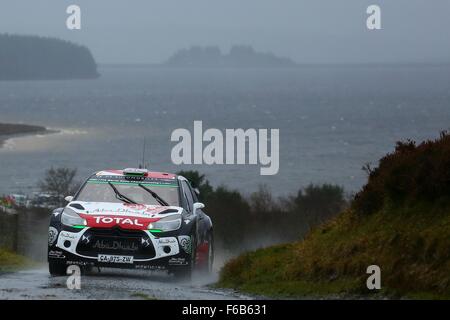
(194, 195)
(187, 194)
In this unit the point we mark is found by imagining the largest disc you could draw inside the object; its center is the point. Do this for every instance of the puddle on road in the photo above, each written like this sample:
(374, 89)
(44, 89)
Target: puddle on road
(109, 284)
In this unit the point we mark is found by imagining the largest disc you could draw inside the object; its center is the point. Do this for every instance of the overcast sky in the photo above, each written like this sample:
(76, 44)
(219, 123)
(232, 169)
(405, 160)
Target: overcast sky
(308, 31)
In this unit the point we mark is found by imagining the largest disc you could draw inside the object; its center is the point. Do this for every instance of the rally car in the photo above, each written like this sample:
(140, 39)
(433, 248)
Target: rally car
(132, 218)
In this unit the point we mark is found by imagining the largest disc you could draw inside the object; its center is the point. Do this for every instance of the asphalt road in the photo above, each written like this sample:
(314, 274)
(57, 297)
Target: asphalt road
(110, 284)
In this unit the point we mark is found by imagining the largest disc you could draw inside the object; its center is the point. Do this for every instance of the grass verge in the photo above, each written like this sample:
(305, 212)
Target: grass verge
(10, 261)
(410, 244)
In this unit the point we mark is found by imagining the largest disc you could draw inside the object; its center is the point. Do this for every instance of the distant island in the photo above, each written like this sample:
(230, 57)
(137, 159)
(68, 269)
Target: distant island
(239, 56)
(9, 130)
(39, 58)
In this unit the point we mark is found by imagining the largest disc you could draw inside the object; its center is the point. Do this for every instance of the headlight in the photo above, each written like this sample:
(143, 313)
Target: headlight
(71, 218)
(166, 224)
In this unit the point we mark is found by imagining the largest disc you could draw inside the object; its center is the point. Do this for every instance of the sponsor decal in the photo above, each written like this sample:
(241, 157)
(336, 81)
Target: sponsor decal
(177, 261)
(111, 211)
(135, 206)
(185, 243)
(79, 263)
(155, 179)
(128, 209)
(56, 254)
(108, 220)
(150, 267)
(68, 235)
(52, 235)
(115, 245)
(125, 222)
(166, 240)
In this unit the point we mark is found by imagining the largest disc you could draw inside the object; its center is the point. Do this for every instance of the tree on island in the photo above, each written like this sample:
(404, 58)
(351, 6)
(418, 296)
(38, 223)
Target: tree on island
(239, 56)
(33, 58)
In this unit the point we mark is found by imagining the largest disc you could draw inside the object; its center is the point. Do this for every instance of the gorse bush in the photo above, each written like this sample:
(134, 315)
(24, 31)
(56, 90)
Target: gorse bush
(411, 173)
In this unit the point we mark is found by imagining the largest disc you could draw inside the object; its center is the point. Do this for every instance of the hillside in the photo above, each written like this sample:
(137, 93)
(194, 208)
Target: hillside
(400, 221)
(38, 58)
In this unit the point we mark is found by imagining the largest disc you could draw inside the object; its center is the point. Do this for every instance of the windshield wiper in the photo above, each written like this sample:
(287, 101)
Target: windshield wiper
(121, 196)
(154, 195)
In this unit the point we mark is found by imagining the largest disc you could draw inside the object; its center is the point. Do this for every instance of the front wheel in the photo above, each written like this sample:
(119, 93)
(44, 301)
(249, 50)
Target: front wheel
(57, 269)
(183, 273)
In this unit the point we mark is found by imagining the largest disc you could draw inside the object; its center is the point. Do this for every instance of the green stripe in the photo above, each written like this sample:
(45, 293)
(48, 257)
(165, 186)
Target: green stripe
(134, 183)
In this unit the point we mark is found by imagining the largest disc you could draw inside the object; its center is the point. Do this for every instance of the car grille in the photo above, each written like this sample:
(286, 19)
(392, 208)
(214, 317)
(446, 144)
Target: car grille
(116, 242)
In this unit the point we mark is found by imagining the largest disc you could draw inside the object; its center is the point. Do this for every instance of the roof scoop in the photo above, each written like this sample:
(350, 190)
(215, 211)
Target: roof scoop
(135, 172)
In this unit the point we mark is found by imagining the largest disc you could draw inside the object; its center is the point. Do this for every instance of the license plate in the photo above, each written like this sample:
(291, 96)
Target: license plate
(107, 258)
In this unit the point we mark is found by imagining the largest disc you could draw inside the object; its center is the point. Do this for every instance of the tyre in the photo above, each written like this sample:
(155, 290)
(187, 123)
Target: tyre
(183, 273)
(57, 269)
(205, 255)
(86, 270)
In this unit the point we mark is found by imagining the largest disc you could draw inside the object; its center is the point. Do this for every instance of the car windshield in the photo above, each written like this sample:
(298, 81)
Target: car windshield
(96, 191)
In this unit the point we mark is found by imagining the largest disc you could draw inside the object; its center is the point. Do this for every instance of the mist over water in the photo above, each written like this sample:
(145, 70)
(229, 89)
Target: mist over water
(332, 119)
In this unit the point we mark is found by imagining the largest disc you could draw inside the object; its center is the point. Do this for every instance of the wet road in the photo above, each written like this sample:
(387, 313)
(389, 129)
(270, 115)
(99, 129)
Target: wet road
(109, 284)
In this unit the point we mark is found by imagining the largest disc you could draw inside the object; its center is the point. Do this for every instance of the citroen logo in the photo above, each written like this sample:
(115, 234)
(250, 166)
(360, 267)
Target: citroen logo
(145, 242)
(86, 239)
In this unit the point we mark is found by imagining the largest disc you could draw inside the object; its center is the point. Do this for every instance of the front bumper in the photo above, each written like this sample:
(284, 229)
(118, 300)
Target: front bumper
(148, 251)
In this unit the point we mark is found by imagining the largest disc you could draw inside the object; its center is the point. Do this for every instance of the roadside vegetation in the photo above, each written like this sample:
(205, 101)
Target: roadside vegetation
(246, 222)
(10, 261)
(399, 221)
(241, 222)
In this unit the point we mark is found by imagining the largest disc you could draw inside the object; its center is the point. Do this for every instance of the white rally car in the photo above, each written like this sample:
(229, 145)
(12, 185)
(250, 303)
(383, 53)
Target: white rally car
(132, 218)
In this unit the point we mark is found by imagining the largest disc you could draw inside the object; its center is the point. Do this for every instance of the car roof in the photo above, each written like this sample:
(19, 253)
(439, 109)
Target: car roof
(149, 174)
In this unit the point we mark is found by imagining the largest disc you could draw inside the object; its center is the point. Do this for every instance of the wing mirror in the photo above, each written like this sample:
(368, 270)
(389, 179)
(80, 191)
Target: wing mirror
(197, 206)
(68, 198)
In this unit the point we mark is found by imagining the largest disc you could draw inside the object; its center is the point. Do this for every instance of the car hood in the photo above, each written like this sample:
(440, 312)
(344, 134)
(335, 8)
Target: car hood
(123, 215)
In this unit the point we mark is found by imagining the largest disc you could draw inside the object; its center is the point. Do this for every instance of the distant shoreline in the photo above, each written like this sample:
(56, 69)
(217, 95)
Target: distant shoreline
(12, 130)
(299, 66)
